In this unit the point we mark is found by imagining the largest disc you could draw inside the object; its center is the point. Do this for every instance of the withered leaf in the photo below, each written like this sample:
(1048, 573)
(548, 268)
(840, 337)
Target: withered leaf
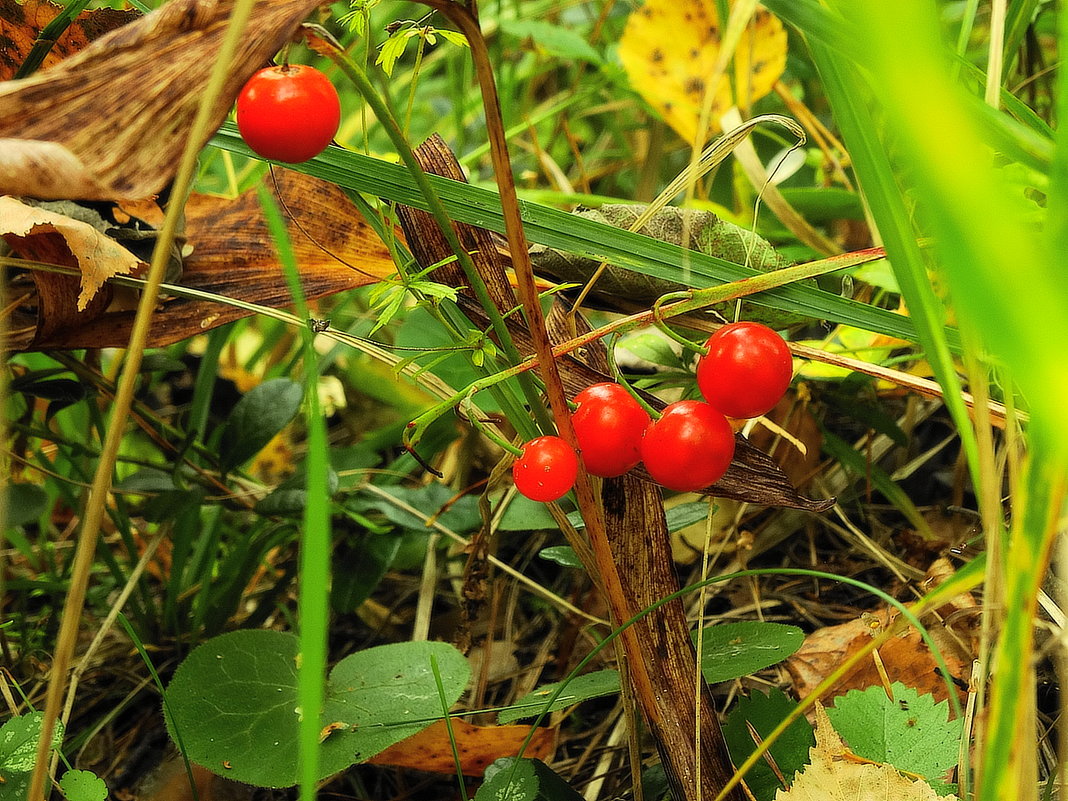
(22, 23)
(233, 256)
(111, 121)
(478, 746)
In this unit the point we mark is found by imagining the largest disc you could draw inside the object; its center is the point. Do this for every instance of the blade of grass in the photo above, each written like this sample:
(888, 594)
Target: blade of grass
(1000, 274)
(848, 95)
(315, 543)
(558, 229)
(94, 511)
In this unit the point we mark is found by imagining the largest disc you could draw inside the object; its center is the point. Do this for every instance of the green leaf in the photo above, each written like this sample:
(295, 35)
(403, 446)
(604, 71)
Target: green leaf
(83, 785)
(913, 732)
(790, 751)
(524, 514)
(564, 43)
(732, 650)
(581, 688)
(436, 501)
(256, 418)
(16, 787)
(561, 554)
(234, 700)
(392, 49)
(514, 779)
(358, 570)
(24, 502)
(18, 742)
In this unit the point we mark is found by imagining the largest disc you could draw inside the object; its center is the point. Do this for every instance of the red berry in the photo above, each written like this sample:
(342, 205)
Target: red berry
(546, 471)
(746, 370)
(689, 447)
(288, 113)
(609, 424)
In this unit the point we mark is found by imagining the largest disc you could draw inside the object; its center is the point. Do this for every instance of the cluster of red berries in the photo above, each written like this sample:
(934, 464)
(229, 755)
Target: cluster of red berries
(745, 372)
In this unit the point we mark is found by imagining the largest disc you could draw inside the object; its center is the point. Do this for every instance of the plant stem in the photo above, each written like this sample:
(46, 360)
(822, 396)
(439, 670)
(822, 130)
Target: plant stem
(94, 510)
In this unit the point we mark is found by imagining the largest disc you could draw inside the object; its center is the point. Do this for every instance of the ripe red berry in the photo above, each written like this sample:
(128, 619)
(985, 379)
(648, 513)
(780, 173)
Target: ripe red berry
(547, 469)
(746, 370)
(689, 447)
(288, 113)
(609, 424)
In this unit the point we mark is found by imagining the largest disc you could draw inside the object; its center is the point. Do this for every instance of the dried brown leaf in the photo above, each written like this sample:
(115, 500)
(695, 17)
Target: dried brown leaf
(478, 746)
(21, 23)
(233, 256)
(111, 121)
(45, 234)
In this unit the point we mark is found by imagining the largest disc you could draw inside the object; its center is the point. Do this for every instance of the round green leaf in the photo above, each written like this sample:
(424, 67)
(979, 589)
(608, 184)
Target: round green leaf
(83, 785)
(234, 703)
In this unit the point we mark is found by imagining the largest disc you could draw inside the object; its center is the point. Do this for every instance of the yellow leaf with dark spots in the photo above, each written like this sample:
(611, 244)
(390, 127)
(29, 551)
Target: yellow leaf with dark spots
(669, 50)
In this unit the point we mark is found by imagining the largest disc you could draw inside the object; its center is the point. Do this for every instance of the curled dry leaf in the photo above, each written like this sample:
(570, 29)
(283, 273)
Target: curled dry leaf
(111, 121)
(669, 48)
(43, 233)
(232, 256)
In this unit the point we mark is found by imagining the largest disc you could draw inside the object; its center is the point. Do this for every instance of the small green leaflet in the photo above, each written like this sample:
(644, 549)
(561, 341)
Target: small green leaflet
(912, 732)
(393, 48)
(512, 779)
(83, 785)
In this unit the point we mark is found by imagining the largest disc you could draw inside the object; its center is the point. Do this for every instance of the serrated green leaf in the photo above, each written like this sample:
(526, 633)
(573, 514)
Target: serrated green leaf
(261, 413)
(392, 49)
(732, 650)
(18, 742)
(234, 700)
(581, 688)
(83, 785)
(790, 751)
(913, 732)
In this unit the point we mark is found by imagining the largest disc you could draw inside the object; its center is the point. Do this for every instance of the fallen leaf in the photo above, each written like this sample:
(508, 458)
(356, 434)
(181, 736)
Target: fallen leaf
(478, 746)
(669, 48)
(111, 121)
(44, 233)
(22, 23)
(907, 659)
(836, 774)
(232, 256)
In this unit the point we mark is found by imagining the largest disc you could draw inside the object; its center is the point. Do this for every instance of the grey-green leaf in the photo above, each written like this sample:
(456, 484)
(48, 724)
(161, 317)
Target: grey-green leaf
(732, 650)
(256, 418)
(580, 688)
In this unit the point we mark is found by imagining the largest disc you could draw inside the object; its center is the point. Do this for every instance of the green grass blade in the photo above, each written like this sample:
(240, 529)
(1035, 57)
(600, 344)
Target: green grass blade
(848, 95)
(316, 539)
(558, 229)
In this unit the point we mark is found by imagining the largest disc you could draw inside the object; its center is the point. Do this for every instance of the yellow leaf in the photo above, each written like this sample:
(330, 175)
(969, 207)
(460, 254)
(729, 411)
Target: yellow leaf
(670, 47)
(836, 774)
